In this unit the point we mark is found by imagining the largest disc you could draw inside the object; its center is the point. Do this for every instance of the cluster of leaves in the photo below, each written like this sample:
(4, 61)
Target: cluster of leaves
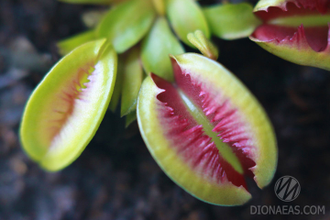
(140, 30)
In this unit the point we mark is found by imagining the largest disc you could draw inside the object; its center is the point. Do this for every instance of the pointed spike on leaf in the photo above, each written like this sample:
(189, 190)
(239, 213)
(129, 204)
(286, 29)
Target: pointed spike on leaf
(127, 23)
(132, 80)
(186, 16)
(67, 45)
(204, 45)
(156, 47)
(65, 110)
(130, 118)
(231, 21)
(207, 131)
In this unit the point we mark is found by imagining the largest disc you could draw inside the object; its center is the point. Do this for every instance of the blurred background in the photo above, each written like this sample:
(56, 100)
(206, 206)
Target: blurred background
(115, 177)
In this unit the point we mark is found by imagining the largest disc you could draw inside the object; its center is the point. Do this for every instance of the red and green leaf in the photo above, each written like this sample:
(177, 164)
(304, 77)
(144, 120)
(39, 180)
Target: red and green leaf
(65, 110)
(296, 30)
(207, 131)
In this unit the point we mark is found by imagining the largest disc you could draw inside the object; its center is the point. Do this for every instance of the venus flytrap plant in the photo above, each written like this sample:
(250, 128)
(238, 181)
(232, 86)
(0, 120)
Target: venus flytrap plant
(202, 126)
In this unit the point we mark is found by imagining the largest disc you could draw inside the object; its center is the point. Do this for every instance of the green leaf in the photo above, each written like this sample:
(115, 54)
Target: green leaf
(126, 24)
(132, 79)
(231, 21)
(186, 16)
(156, 48)
(67, 45)
(65, 110)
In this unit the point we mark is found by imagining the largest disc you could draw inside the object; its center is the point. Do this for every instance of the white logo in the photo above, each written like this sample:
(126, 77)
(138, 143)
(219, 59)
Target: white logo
(287, 188)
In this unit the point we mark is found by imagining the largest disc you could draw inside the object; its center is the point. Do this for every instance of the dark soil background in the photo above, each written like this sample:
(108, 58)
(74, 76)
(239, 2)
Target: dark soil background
(115, 177)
